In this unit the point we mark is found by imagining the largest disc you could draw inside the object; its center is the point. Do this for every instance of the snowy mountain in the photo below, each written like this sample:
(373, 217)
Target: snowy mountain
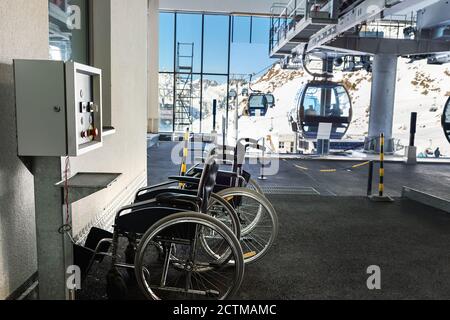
(421, 88)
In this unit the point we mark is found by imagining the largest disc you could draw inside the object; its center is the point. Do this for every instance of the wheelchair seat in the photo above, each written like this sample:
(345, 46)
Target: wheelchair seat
(140, 220)
(145, 214)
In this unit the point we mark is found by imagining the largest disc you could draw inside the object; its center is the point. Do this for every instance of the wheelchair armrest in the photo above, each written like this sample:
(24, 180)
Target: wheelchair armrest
(152, 194)
(230, 174)
(156, 186)
(196, 169)
(177, 198)
(185, 179)
(134, 206)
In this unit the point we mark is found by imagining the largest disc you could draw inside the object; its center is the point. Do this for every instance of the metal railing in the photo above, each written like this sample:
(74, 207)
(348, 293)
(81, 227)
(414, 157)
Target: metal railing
(392, 27)
(285, 16)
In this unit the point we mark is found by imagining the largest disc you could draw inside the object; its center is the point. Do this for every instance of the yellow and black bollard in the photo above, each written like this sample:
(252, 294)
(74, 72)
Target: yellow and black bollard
(381, 197)
(184, 159)
(381, 185)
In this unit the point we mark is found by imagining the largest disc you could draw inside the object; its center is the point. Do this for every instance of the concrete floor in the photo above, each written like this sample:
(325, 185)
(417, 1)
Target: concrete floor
(326, 242)
(433, 178)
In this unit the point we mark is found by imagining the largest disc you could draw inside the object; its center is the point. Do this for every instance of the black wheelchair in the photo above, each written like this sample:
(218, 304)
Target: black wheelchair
(236, 194)
(234, 158)
(178, 248)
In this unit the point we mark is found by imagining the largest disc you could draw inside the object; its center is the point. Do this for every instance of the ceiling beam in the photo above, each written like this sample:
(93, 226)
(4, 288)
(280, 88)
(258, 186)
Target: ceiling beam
(244, 7)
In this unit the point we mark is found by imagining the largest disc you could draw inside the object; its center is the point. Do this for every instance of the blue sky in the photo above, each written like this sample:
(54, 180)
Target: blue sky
(246, 57)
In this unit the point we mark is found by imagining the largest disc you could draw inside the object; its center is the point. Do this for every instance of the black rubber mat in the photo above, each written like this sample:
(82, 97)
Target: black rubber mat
(326, 244)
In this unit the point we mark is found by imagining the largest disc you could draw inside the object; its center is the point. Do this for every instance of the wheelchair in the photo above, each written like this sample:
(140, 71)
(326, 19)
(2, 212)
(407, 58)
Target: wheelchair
(175, 249)
(232, 197)
(237, 172)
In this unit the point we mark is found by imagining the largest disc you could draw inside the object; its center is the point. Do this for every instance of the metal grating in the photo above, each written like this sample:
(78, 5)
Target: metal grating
(275, 189)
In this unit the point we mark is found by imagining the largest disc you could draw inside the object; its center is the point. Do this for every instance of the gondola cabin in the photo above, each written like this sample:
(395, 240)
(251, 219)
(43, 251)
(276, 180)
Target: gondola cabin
(446, 120)
(270, 100)
(323, 102)
(257, 105)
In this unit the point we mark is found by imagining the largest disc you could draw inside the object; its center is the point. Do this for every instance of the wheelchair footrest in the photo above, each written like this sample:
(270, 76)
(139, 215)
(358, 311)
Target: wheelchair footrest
(205, 293)
(84, 254)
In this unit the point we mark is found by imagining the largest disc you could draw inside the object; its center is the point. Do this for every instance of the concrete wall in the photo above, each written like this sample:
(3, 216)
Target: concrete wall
(228, 6)
(23, 34)
(126, 151)
(153, 66)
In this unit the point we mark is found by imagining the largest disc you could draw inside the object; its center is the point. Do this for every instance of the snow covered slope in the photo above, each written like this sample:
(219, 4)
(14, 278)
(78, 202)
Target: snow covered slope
(421, 88)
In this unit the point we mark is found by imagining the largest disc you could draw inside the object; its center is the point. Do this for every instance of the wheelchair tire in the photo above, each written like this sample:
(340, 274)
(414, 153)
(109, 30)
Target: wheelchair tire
(116, 285)
(130, 253)
(259, 229)
(220, 209)
(253, 185)
(196, 275)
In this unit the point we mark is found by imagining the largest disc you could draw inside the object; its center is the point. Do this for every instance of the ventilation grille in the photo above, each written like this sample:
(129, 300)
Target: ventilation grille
(275, 189)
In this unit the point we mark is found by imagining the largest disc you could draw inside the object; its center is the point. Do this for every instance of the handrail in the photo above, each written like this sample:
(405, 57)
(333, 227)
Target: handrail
(290, 15)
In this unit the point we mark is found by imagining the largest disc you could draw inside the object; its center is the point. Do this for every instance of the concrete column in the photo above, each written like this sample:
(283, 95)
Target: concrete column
(153, 66)
(53, 248)
(382, 102)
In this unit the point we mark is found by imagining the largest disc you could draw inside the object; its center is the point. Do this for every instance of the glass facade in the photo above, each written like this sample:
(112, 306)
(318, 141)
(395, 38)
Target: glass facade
(69, 30)
(201, 56)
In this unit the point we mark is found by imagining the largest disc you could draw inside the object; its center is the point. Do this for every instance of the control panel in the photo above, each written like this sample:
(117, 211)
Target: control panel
(58, 107)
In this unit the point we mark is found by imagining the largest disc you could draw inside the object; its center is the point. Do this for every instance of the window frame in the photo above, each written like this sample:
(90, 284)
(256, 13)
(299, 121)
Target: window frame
(202, 72)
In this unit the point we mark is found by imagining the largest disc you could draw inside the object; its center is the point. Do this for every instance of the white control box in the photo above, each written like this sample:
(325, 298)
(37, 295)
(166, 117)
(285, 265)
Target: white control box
(58, 108)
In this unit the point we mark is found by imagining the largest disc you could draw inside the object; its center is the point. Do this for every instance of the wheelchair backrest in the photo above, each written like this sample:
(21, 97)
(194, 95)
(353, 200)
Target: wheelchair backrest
(241, 149)
(207, 182)
(223, 154)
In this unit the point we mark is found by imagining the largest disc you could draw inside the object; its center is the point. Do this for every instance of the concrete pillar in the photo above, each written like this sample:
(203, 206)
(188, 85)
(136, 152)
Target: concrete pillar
(382, 102)
(153, 66)
(54, 249)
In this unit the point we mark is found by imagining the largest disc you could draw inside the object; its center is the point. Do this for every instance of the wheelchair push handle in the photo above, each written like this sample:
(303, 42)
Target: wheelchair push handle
(252, 143)
(220, 151)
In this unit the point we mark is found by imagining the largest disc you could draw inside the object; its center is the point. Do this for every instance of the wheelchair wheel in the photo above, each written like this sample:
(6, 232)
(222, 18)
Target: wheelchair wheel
(188, 271)
(253, 185)
(259, 221)
(221, 210)
(116, 285)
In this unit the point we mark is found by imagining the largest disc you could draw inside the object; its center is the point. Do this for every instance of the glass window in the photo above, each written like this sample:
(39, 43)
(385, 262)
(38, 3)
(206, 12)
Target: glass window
(69, 30)
(270, 100)
(342, 102)
(189, 42)
(166, 102)
(330, 101)
(185, 45)
(246, 57)
(166, 41)
(447, 112)
(260, 30)
(195, 104)
(311, 102)
(214, 88)
(215, 46)
(258, 102)
(241, 29)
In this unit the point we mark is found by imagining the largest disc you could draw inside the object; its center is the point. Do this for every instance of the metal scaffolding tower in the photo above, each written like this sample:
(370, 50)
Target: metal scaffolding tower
(184, 90)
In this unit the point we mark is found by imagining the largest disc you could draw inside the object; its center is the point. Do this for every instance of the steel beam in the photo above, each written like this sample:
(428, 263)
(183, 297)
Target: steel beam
(397, 47)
